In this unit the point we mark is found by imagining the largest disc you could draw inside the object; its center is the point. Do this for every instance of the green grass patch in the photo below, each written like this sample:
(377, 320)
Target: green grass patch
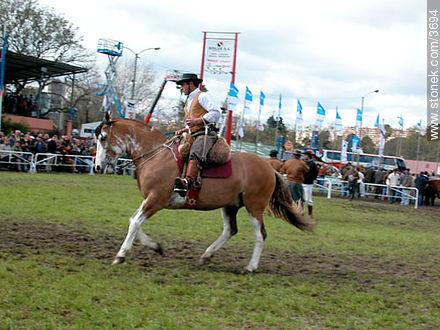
(368, 265)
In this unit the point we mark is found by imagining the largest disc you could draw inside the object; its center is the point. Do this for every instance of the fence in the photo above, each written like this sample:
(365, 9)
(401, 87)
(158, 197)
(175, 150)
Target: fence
(47, 162)
(332, 185)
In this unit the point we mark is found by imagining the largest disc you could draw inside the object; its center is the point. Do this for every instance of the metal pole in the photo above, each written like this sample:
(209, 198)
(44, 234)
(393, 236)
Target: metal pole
(360, 130)
(229, 123)
(2, 73)
(257, 130)
(136, 56)
(203, 59)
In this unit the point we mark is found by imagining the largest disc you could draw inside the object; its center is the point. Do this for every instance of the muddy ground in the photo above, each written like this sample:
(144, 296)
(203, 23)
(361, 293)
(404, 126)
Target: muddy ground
(21, 240)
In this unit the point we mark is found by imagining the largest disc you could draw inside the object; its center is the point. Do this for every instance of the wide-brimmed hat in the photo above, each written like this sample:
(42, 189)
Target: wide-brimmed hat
(189, 77)
(297, 152)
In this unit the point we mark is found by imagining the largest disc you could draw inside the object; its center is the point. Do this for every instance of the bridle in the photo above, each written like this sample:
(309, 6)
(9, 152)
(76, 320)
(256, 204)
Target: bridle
(154, 152)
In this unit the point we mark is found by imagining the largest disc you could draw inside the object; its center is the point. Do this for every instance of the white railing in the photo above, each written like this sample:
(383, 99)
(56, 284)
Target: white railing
(27, 161)
(332, 185)
(22, 160)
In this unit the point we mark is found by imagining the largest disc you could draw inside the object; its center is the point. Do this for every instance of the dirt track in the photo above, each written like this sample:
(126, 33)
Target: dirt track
(20, 240)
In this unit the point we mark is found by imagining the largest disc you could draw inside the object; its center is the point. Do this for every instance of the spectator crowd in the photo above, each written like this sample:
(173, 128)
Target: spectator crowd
(65, 147)
(394, 186)
(21, 105)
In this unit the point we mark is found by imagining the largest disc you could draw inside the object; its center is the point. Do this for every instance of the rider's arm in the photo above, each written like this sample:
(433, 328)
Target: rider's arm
(207, 102)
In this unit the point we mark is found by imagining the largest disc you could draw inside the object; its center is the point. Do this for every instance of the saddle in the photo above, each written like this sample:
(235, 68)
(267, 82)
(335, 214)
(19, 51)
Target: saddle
(219, 154)
(219, 165)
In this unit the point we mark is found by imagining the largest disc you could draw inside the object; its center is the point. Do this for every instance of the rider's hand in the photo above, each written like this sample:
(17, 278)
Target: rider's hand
(181, 131)
(194, 121)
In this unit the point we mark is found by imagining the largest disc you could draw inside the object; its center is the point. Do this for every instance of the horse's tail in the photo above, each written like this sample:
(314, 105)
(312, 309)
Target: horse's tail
(281, 205)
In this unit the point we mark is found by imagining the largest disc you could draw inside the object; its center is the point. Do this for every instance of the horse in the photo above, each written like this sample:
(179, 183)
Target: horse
(252, 184)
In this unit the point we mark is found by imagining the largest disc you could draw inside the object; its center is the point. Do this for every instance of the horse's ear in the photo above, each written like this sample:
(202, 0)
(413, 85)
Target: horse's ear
(108, 117)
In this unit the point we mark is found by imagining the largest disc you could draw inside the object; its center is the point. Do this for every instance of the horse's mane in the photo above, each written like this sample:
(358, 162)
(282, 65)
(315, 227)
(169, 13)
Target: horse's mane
(111, 122)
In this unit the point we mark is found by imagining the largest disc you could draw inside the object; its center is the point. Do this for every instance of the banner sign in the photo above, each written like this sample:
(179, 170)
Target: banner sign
(130, 110)
(344, 147)
(219, 55)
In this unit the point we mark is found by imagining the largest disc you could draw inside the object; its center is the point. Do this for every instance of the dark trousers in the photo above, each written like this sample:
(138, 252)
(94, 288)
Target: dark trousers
(353, 188)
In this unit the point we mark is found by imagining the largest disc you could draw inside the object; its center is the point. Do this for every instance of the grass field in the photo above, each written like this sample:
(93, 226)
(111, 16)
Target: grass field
(368, 266)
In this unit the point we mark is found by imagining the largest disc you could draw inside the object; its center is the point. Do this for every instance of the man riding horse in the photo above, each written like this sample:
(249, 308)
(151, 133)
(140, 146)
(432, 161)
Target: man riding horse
(201, 114)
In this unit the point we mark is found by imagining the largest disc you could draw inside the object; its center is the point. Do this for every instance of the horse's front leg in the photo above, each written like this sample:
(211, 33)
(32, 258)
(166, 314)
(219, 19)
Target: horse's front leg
(136, 220)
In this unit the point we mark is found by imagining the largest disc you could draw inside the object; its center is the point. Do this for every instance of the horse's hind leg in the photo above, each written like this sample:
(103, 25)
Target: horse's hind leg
(147, 241)
(136, 220)
(260, 235)
(229, 215)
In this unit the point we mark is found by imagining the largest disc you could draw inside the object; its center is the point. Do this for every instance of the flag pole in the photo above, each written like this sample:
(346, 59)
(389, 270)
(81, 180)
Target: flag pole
(2, 73)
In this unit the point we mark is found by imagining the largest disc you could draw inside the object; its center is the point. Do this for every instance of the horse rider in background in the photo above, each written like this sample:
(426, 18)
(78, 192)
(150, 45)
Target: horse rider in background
(294, 169)
(274, 161)
(201, 114)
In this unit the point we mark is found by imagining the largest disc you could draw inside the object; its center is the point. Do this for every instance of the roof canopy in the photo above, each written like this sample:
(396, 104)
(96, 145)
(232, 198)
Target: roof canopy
(24, 68)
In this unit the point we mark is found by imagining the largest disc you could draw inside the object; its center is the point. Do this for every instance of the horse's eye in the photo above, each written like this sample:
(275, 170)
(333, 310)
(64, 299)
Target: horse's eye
(102, 138)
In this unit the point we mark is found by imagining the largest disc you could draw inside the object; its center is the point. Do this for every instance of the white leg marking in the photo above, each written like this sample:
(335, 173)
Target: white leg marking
(145, 240)
(136, 221)
(259, 243)
(223, 238)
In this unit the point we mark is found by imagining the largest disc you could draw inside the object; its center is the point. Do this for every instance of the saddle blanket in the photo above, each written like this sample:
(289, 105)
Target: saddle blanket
(221, 171)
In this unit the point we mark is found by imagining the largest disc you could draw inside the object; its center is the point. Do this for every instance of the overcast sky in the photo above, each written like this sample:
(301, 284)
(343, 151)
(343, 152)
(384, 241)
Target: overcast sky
(332, 52)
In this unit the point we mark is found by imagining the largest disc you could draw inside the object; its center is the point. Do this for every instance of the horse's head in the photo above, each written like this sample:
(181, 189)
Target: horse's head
(109, 146)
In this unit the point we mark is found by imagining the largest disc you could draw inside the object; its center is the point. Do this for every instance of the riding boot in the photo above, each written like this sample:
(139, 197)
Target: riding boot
(310, 207)
(181, 186)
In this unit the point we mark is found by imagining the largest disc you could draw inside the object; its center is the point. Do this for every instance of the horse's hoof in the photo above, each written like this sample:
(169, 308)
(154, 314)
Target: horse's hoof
(158, 249)
(118, 260)
(248, 269)
(204, 261)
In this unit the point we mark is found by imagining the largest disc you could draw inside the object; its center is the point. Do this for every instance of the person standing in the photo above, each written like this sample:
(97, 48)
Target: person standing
(201, 114)
(294, 169)
(274, 161)
(393, 181)
(352, 176)
(344, 184)
(421, 182)
(309, 178)
(407, 182)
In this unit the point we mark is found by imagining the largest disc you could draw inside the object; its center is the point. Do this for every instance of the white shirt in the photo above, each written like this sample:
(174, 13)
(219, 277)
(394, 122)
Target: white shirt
(207, 102)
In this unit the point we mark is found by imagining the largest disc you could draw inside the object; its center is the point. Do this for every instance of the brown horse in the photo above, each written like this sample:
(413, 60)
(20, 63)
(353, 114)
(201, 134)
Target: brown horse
(253, 184)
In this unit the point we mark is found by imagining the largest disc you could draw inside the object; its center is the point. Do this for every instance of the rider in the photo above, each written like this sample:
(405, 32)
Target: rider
(200, 113)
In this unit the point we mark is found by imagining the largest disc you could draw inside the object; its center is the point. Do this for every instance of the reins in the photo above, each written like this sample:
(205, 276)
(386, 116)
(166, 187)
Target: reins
(154, 152)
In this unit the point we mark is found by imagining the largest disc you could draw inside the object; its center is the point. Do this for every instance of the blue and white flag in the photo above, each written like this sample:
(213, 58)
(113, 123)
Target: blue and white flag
(232, 97)
(247, 100)
(419, 124)
(358, 119)
(376, 124)
(299, 113)
(262, 97)
(338, 122)
(401, 121)
(279, 109)
(320, 115)
(383, 131)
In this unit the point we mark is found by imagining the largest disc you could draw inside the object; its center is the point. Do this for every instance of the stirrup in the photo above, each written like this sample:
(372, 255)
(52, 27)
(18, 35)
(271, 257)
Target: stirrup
(181, 186)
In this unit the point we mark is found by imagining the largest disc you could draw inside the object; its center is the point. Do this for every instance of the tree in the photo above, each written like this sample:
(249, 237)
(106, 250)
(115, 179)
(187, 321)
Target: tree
(37, 31)
(272, 123)
(324, 140)
(368, 145)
